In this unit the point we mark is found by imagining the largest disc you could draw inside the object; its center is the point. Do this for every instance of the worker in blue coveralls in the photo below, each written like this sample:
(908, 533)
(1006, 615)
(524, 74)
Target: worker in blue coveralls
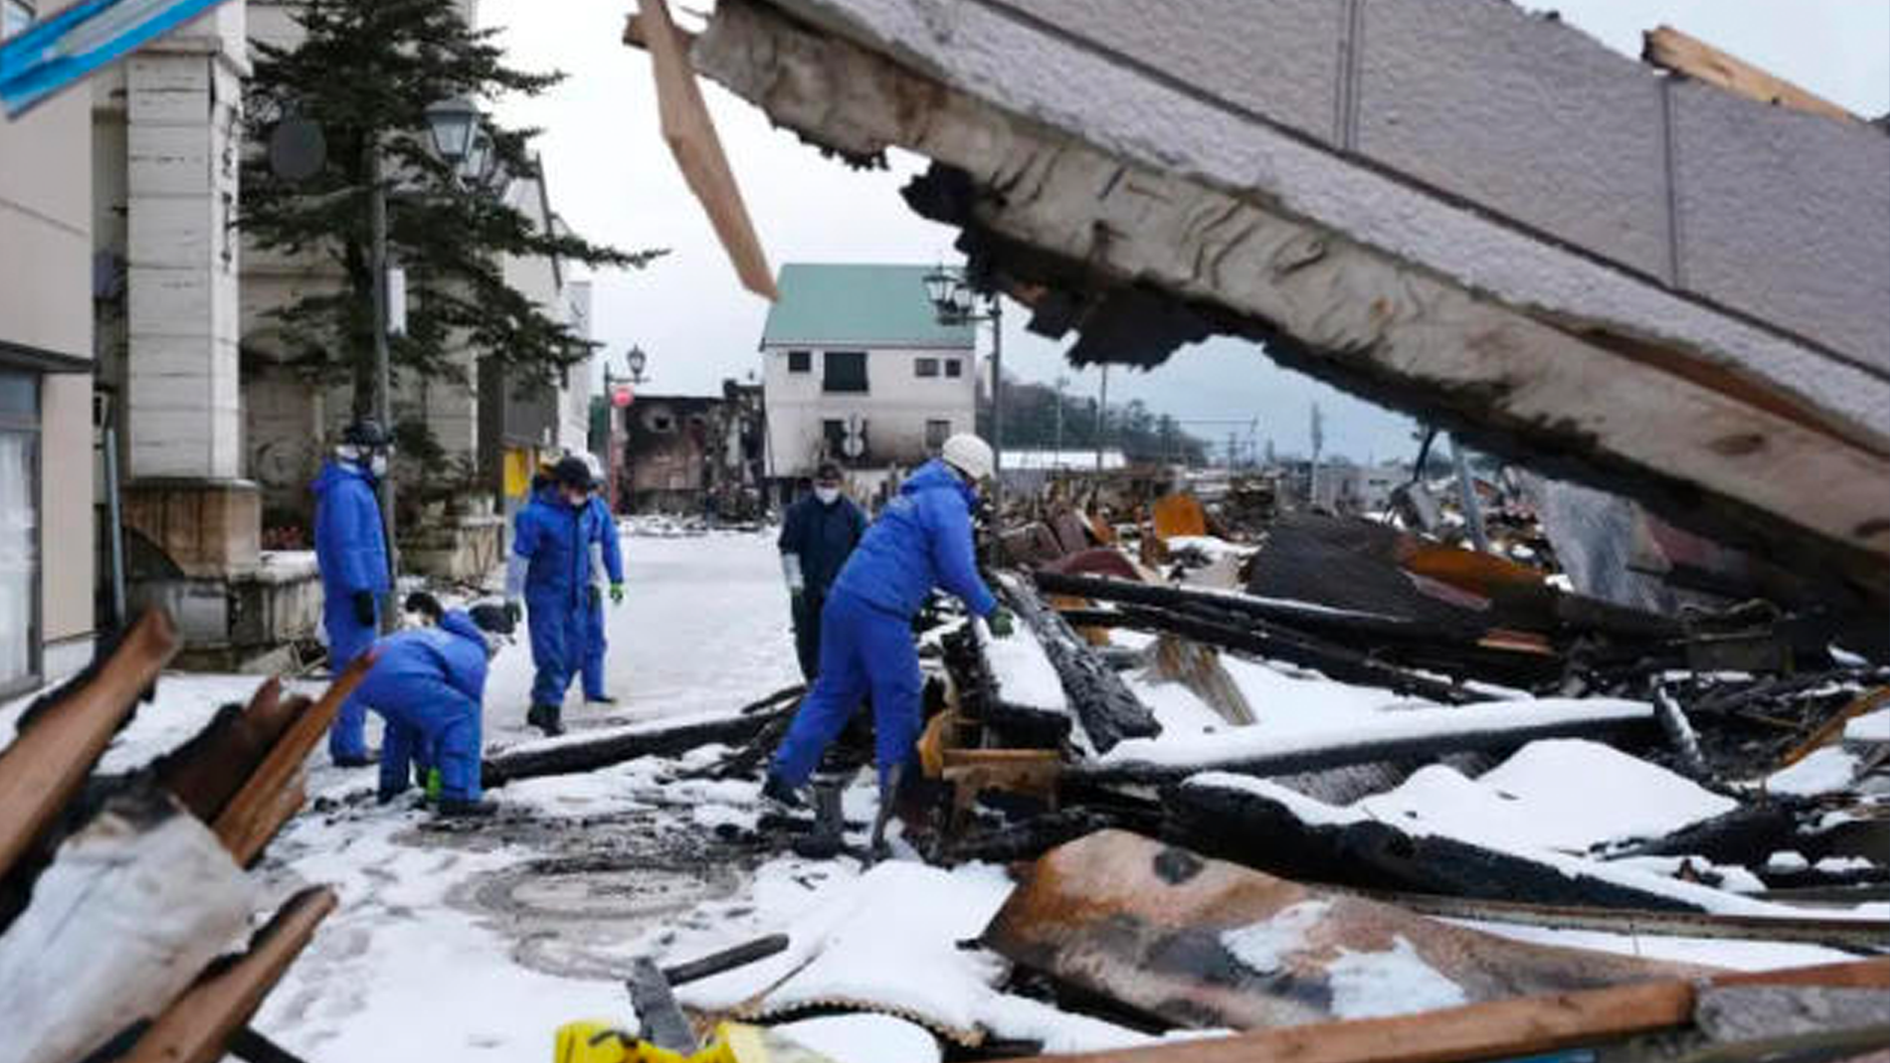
(428, 684)
(606, 554)
(549, 571)
(351, 550)
(817, 536)
(921, 540)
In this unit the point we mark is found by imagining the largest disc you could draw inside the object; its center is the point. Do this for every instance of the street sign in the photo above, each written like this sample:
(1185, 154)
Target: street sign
(852, 446)
(396, 301)
(621, 396)
(60, 51)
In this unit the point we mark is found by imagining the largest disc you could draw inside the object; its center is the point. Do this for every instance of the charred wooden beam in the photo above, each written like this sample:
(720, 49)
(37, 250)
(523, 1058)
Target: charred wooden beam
(1265, 640)
(1109, 710)
(979, 698)
(1256, 828)
(568, 756)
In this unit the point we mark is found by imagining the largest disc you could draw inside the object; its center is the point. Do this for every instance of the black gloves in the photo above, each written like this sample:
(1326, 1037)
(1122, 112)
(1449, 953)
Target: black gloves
(364, 608)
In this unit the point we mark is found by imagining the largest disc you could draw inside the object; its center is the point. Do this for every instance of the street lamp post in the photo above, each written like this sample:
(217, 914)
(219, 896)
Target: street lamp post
(636, 360)
(954, 302)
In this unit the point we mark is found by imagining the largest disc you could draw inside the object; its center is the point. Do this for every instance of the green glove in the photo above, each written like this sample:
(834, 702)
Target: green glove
(1002, 622)
(616, 594)
(433, 785)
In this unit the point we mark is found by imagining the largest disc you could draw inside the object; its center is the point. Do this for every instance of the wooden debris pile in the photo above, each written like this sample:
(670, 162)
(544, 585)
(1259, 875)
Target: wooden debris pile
(128, 923)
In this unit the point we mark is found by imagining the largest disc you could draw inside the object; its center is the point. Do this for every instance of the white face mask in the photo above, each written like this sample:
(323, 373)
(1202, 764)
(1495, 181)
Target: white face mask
(378, 465)
(827, 495)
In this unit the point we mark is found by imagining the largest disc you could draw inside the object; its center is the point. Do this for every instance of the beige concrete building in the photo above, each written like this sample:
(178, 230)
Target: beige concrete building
(47, 528)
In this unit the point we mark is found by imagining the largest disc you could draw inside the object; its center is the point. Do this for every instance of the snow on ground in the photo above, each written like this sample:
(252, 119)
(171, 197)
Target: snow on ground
(1826, 771)
(704, 627)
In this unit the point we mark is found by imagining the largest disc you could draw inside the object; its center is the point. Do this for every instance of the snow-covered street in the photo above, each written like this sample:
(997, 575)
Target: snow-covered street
(478, 944)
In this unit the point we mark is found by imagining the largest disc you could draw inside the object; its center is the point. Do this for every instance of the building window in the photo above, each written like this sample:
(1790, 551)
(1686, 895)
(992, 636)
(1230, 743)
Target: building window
(954, 368)
(936, 433)
(846, 371)
(800, 361)
(15, 16)
(927, 367)
(19, 529)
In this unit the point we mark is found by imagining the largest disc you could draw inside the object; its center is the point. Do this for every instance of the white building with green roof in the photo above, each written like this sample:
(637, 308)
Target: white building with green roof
(857, 369)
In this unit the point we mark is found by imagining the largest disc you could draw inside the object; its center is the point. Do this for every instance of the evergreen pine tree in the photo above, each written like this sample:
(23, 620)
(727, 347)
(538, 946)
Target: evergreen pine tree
(367, 71)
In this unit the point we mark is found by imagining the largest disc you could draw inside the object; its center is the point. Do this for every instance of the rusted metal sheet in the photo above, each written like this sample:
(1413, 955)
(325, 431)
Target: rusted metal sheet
(1204, 943)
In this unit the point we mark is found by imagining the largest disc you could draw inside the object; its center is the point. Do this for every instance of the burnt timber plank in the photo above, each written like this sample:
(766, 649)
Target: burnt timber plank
(45, 766)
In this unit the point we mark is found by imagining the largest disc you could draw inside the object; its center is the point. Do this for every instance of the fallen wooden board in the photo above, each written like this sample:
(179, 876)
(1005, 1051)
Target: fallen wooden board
(692, 139)
(198, 1025)
(260, 808)
(1673, 50)
(133, 906)
(1205, 943)
(54, 752)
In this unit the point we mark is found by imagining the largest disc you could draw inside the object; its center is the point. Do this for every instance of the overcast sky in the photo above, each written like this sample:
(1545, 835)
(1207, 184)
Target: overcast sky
(614, 181)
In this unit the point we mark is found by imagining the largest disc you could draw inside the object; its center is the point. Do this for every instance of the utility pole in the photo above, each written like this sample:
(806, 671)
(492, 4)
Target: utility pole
(1102, 419)
(1061, 382)
(997, 403)
(383, 372)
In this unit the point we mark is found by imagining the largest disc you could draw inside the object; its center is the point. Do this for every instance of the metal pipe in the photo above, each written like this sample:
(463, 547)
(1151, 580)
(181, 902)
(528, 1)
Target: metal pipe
(1467, 497)
(116, 516)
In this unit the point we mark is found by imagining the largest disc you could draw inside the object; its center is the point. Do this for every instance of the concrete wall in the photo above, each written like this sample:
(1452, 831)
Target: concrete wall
(46, 310)
(896, 406)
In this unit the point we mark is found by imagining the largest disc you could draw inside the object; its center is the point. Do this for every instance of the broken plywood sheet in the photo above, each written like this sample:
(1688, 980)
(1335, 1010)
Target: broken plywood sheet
(1204, 943)
(1173, 200)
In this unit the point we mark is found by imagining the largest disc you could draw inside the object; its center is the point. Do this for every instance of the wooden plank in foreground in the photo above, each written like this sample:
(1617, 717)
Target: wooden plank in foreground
(259, 809)
(45, 766)
(1673, 50)
(197, 1026)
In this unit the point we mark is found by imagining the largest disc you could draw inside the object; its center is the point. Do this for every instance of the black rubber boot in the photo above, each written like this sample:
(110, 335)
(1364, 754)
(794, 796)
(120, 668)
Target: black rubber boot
(779, 792)
(365, 760)
(601, 699)
(546, 718)
(459, 808)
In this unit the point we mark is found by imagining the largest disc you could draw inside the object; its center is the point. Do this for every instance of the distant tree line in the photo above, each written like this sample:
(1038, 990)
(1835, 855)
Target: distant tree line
(1030, 422)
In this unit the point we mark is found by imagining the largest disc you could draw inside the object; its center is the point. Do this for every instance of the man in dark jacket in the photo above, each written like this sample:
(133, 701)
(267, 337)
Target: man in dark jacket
(921, 540)
(351, 551)
(820, 532)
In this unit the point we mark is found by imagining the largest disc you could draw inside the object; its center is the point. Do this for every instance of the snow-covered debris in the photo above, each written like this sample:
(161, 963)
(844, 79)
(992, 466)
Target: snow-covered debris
(1278, 750)
(1367, 985)
(1263, 947)
(1715, 952)
(1870, 727)
(1786, 861)
(1569, 794)
(1314, 813)
(1023, 672)
(863, 1038)
(1829, 770)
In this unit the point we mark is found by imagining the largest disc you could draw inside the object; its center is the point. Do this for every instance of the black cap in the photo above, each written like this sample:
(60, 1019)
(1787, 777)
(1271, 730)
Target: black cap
(493, 618)
(425, 604)
(366, 432)
(572, 472)
(828, 473)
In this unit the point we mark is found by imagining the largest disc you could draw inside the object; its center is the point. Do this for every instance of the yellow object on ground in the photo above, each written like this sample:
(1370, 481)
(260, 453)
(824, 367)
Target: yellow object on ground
(591, 1041)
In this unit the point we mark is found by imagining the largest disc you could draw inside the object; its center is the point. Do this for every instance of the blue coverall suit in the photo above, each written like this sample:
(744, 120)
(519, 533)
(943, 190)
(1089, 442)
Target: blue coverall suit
(428, 684)
(553, 536)
(351, 550)
(922, 539)
(823, 537)
(602, 532)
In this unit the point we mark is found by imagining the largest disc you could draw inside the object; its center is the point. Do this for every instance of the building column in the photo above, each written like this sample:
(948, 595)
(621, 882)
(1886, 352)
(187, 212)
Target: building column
(185, 490)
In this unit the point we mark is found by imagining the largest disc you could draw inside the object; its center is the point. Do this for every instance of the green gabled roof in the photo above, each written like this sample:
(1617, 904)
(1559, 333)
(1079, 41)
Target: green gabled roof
(825, 304)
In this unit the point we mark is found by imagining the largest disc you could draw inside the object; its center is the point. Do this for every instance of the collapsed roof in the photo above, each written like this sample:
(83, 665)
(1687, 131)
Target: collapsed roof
(1473, 213)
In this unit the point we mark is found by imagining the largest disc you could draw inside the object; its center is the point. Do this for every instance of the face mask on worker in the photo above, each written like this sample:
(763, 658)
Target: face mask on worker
(378, 464)
(827, 495)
